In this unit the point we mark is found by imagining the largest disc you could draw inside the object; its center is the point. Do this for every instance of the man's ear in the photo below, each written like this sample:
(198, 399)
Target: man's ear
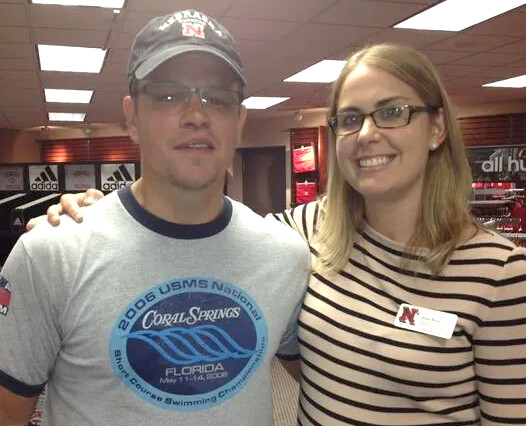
(438, 129)
(129, 108)
(241, 123)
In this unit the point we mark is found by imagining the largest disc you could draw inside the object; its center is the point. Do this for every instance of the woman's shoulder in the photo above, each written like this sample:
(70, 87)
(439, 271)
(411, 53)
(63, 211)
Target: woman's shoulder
(302, 218)
(486, 243)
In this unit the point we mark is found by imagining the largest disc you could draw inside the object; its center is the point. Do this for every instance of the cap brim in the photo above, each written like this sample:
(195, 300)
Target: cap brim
(158, 59)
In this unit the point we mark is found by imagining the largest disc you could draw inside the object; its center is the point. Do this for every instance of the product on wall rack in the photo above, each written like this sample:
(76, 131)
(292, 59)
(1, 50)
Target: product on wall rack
(306, 192)
(308, 163)
(304, 158)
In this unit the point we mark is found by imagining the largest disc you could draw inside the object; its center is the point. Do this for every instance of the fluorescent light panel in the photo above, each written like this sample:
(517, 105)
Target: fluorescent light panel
(66, 116)
(325, 71)
(72, 59)
(68, 96)
(262, 102)
(455, 15)
(515, 82)
(110, 4)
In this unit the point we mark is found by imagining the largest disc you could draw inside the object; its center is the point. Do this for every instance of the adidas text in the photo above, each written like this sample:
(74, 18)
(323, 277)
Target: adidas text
(39, 186)
(113, 185)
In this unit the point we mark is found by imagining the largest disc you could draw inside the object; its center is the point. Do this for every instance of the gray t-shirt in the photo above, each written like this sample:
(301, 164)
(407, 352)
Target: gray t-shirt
(133, 320)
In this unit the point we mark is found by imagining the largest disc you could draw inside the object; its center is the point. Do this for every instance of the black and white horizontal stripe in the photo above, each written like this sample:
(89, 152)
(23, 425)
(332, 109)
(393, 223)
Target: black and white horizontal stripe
(360, 369)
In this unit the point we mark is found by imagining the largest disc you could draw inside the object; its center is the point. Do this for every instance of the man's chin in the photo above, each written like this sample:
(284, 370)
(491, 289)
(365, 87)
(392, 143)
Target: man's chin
(196, 184)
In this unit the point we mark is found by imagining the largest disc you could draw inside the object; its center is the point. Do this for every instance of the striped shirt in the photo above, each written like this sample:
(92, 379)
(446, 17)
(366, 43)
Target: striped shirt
(358, 368)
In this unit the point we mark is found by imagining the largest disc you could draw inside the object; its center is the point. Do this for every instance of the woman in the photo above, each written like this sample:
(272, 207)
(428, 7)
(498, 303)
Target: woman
(414, 315)
(392, 238)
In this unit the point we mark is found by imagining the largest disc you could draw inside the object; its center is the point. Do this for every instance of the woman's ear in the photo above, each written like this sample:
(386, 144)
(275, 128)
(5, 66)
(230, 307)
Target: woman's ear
(130, 114)
(438, 129)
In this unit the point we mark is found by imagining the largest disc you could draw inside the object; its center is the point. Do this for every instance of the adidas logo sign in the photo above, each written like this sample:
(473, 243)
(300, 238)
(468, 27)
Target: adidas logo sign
(119, 179)
(46, 181)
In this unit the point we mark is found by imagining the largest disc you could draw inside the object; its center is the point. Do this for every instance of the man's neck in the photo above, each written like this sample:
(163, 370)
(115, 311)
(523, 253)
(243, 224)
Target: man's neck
(177, 205)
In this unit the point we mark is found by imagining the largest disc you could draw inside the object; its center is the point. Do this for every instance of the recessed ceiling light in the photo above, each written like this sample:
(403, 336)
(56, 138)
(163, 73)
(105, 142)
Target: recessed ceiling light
(515, 82)
(68, 96)
(66, 116)
(72, 59)
(455, 15)
(325, 71)
(110, 4)
(262, 102)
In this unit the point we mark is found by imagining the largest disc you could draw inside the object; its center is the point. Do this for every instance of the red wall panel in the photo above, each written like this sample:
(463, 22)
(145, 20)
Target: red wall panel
(119, 148)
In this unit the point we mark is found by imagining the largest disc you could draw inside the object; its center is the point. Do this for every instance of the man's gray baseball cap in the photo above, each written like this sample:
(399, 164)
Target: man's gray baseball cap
(181, 32)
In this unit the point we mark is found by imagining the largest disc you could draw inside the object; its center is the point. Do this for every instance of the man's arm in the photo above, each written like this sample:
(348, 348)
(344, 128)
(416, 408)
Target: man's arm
(15, 410)
(69, 204)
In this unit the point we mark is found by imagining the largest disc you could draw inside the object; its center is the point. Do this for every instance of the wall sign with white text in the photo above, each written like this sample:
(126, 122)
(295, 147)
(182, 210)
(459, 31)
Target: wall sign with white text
(79, 177)
(498, 164)
(11, 178)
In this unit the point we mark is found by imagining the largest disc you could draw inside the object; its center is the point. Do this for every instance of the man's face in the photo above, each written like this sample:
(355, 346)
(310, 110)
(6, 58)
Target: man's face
(186, 144)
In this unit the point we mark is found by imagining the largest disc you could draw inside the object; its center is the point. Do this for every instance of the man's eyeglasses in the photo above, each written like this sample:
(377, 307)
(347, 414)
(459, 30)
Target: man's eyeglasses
(173, 94)
(388, 117)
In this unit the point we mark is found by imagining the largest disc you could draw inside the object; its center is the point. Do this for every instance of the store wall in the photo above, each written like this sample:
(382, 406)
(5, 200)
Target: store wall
(21, 146)
(18, 146)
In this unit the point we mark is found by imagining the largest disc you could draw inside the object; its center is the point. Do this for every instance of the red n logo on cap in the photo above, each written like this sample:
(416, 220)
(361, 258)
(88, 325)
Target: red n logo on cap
(193, 30)
(408, 314)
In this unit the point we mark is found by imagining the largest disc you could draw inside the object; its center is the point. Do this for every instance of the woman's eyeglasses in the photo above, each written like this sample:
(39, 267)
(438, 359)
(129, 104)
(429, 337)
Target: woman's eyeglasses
(388, 117)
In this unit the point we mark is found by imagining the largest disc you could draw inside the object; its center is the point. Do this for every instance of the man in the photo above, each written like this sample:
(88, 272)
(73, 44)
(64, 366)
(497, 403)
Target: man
(166, 305)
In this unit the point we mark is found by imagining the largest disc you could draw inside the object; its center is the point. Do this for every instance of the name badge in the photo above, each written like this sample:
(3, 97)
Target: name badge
(427, 321)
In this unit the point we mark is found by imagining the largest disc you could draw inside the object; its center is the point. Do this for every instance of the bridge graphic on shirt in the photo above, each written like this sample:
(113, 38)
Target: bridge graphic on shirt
(184, 346)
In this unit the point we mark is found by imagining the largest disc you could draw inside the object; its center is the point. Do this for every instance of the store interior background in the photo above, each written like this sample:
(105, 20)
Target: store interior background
(277, 38)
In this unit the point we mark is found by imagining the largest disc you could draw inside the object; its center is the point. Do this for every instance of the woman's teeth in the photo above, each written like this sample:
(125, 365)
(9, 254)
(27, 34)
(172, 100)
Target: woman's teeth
(373, 161)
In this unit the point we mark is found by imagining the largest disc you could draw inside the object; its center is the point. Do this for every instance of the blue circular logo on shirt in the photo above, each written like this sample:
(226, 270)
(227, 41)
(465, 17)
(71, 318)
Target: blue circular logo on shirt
(188, 344)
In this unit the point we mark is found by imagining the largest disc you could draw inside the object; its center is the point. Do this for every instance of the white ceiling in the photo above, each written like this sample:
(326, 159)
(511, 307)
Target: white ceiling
(277, 39)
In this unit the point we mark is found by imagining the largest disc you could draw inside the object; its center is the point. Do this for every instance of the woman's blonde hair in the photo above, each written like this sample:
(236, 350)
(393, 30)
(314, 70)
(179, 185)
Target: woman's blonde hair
(444, 210)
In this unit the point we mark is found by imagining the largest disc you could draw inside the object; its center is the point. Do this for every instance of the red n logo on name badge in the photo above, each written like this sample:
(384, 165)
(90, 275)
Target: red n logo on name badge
(193, 30)
(408, 314)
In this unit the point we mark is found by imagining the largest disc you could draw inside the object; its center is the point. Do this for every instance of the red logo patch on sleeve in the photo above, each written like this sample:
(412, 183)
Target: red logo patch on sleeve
(5, 296)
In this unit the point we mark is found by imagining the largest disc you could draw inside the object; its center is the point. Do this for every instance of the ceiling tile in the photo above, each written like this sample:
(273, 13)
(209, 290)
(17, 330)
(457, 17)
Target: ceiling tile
(487, 59)
(511, 23)
(27, 51)
(18, 97)
(367, 13)
(103, 98)
(444, 56)
(461, 84)
(18, 64)
(118, 56)
(290, 10)
(414, 38)
(215, 8)
(258, 29)
(423, 2)
(69, 80)
(448, 70)
(252, 47)
(277, 38)
(14, 34)
(68, 37)
(27, 117)
(79, 18)
(472, 42)
(12, 15)
(17, 78)
(499, 73)
(518, 47)
(305, 42)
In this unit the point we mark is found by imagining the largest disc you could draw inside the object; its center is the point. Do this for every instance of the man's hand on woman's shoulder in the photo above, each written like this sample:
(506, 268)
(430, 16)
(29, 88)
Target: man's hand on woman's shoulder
(69, 204)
